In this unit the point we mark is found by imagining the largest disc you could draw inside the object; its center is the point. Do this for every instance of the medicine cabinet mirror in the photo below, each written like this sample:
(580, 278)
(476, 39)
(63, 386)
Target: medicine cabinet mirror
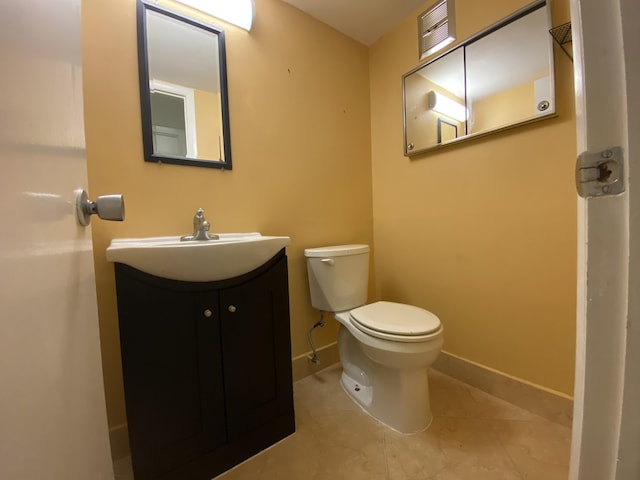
(183, 90)
(500, 78)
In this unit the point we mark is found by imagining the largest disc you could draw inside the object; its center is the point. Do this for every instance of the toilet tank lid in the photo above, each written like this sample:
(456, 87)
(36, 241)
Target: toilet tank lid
(336, 250)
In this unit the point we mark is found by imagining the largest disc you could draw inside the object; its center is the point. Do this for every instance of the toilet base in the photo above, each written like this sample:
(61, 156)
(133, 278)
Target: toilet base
(389, 380)
(362, 396)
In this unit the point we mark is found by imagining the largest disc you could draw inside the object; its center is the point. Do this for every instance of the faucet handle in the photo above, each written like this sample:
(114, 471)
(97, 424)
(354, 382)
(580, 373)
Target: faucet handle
(200, 228)
(198, 218)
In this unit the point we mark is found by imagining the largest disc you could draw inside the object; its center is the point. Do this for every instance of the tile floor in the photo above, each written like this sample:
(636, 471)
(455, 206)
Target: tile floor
(474, 436)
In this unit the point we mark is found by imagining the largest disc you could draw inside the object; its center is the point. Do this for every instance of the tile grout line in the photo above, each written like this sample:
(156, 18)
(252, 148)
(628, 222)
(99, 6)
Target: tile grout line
(513, 463)
(386, 455)
(491, 422)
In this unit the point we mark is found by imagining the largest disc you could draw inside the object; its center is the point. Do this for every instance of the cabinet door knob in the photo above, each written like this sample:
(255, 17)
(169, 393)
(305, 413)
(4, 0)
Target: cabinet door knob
(232, 308)
(208, 313)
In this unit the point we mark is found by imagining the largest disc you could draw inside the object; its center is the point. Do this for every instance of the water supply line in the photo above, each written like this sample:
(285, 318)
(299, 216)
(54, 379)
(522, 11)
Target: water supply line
(320, 323)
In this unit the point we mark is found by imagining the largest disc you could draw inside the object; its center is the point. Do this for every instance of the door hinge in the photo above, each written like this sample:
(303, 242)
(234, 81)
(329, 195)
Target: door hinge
(601, 173)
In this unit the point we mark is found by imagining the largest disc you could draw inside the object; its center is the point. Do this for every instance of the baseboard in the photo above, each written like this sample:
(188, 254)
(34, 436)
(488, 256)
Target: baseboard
(119, 439)
(303, 367)
(553, 406)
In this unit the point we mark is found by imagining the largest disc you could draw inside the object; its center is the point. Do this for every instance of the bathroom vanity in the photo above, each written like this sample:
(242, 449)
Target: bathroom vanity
(207, 369)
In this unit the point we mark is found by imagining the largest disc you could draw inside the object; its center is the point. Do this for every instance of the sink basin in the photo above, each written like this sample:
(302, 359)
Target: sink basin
(231, 255)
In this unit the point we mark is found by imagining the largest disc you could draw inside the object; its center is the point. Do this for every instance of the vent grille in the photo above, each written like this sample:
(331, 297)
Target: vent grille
(434, 17)
(436, 27)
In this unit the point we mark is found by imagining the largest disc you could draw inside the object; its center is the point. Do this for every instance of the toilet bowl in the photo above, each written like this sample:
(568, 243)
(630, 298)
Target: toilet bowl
(385, 348)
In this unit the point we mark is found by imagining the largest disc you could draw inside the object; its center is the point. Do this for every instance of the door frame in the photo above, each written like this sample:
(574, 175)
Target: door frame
(606, 425)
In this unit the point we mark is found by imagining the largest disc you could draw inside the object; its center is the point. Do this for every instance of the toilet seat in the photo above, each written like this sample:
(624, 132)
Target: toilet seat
(395, 321)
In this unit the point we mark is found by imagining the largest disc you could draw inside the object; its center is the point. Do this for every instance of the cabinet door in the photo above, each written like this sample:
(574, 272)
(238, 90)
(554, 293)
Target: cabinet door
(256, 351)
(172, 373)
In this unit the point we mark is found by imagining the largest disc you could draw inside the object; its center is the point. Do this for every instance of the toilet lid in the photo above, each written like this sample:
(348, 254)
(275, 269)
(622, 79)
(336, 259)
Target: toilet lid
(396, 319)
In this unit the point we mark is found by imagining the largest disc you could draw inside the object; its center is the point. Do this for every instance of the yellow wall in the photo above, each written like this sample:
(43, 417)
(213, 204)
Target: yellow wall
(208, 124)
(482, 233)
(300, 133)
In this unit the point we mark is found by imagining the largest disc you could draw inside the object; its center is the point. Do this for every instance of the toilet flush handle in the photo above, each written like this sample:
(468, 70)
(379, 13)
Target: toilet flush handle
(328, 261)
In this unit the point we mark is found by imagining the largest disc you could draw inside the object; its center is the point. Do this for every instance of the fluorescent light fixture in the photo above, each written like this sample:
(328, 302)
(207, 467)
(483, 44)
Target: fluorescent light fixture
(444, 105)
(237, 12)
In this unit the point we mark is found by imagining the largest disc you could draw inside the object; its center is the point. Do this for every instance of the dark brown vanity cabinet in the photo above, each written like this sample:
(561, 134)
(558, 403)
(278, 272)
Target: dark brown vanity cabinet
(207, 369)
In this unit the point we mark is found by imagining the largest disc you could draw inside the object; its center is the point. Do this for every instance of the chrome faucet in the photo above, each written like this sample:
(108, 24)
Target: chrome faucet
(200, 228)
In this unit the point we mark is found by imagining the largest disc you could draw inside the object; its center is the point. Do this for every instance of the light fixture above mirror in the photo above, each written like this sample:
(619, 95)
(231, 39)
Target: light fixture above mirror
(236, 12)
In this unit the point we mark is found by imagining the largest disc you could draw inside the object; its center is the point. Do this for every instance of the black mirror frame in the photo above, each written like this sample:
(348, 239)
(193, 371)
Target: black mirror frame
(145, 92)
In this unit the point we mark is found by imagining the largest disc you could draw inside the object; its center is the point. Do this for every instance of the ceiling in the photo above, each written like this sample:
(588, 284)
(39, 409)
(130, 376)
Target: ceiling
(367, 20)
(363, 20)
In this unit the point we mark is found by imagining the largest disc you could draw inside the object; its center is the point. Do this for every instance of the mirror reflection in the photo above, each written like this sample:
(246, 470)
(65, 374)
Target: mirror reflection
(182, 89)
(509, 74)
(433, 94)
(500, 78)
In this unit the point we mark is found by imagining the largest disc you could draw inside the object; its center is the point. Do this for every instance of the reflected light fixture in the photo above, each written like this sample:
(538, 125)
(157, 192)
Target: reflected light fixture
(237, 12)
(444, 105)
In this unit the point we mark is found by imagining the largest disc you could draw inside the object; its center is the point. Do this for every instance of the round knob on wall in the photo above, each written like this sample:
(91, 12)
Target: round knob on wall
(108, 207)
(232, 308)
(208, 313)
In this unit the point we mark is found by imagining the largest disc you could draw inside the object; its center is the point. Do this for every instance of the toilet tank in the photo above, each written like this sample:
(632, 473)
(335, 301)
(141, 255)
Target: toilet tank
(338, 276)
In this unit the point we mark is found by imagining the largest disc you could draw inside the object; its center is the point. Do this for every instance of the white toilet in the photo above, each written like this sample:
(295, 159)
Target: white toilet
(385, 348)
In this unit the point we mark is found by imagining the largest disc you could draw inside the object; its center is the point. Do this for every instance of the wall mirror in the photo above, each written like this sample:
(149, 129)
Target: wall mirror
(183, 90)
(499, 78)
